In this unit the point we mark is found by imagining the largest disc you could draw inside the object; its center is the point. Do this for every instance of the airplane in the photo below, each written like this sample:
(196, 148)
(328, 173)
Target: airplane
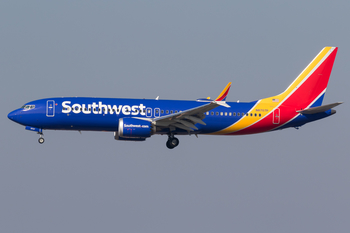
(139, 119)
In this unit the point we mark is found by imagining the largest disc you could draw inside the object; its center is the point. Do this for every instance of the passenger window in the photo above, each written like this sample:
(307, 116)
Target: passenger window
(234, 114)
(259, 114)
(238, 114)
(167, 111)
(212, 113)
(229, 113)
(217, 113)
(162, 111)
(171, 111)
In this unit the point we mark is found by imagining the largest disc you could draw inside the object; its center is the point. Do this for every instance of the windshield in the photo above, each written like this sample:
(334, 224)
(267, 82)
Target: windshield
(28, 107)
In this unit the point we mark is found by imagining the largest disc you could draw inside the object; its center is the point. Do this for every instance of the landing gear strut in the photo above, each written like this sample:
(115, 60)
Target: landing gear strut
(41, 140)
(172, 142)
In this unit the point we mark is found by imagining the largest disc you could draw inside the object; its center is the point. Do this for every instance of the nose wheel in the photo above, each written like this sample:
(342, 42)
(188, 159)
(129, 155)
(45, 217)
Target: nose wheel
(41, 140)
(172, 142)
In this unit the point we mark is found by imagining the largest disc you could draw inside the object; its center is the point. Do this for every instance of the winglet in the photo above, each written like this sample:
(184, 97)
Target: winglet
(223, 94)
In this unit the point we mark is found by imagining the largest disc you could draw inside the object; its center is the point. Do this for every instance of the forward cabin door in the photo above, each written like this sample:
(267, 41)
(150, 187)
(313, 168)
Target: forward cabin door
(276, 116)
(50, 108)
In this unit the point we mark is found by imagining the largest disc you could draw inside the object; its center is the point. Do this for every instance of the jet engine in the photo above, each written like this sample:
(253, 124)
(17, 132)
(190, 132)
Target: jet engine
(132, 129)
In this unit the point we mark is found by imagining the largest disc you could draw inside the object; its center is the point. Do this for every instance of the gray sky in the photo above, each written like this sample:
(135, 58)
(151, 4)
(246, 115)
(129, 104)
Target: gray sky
(285, 181)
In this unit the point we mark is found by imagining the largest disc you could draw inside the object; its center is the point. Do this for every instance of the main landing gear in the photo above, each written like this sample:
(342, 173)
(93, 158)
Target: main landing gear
(41, 140)
(172, 142)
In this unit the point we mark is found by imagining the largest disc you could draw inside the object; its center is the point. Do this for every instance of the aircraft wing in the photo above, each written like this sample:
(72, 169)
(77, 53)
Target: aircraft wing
(187, 119)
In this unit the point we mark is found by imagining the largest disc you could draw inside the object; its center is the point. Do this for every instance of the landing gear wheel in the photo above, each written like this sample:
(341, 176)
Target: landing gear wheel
(41, 140)
(169, 145)
(172, 142)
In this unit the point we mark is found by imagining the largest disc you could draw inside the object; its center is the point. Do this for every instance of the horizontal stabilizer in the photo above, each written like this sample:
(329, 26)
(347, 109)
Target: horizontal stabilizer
(319, 109)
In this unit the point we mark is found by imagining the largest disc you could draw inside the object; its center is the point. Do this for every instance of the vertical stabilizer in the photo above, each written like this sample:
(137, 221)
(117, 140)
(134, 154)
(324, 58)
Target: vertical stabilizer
(308, 89)
(305, 92)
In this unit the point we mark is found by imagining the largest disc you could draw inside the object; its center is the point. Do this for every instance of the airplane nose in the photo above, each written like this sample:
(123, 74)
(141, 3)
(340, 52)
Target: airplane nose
(12, 115)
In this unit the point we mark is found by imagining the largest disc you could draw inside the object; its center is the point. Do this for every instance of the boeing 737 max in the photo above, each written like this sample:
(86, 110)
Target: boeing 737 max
(138, 119)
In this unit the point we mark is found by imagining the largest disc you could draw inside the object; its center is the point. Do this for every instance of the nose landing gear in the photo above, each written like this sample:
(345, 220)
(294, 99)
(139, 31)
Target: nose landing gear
(172, 142)
(41, 140)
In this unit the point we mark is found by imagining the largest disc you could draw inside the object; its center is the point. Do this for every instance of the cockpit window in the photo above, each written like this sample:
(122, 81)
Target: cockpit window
(28, 107)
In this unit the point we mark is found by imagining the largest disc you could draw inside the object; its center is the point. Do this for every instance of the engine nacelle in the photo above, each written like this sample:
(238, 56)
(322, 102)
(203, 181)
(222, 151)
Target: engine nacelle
(132, 129)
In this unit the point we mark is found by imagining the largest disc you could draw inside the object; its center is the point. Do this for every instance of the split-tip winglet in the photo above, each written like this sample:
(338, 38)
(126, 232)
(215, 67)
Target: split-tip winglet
(223, 94)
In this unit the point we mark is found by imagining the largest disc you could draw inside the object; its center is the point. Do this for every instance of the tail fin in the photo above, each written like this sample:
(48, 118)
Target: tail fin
(308, 89)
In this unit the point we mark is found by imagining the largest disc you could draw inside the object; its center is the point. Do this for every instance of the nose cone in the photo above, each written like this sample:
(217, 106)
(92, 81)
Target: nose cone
(13, 115)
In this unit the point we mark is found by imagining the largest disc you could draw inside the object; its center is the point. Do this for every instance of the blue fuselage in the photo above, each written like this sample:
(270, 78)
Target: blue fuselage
(103, 114)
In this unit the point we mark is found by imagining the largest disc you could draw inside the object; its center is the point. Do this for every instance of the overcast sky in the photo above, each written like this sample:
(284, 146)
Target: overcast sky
(284, 181)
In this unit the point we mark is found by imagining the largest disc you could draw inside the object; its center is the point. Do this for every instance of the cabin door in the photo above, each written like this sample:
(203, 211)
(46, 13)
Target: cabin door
(50, 108)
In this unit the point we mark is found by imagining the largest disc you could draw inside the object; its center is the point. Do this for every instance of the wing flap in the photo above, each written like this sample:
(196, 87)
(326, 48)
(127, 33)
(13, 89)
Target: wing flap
(181, 126)
(195, 120)
(186, 123)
